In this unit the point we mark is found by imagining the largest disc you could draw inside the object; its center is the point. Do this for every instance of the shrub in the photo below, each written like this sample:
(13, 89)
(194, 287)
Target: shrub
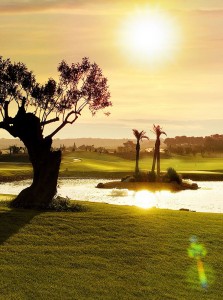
(141, 177)
(100, 185)
(152, 176)
(172, 175)
(64, 204)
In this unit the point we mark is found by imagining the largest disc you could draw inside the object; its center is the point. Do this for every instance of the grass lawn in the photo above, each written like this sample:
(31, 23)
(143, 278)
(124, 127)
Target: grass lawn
(107, 252)
(91, 164)
(91, 161)
(15, 169)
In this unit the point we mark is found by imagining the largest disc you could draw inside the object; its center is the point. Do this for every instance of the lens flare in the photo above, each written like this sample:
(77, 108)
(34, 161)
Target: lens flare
(198, 252)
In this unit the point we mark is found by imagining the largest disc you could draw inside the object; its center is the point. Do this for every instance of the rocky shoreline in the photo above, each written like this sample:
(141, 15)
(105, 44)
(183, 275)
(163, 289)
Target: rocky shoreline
(114, 175)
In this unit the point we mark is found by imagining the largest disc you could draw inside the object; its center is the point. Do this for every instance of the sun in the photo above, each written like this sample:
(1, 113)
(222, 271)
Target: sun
(150, 35)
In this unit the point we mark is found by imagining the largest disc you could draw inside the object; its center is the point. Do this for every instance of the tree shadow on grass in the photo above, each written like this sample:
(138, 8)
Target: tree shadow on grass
(12, 220)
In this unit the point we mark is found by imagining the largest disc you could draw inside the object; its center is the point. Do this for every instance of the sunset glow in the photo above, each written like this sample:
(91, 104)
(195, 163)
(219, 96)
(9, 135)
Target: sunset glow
(150, 35)
(163, 59)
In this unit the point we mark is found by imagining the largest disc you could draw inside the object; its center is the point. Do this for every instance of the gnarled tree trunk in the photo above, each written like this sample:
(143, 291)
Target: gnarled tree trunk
(44, 185)
(46, 163)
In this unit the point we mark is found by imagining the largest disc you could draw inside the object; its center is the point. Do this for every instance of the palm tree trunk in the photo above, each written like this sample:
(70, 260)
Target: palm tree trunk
(154, 161)
(137, 159)
(158, 164)
(158, 159)
(154, 157)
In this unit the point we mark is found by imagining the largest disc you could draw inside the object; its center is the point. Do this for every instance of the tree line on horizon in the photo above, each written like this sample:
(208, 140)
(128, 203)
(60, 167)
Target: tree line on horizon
(192, 145)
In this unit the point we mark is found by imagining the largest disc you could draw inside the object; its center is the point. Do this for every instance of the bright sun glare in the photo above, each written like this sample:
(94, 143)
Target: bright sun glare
(150, 35)
(145, 199)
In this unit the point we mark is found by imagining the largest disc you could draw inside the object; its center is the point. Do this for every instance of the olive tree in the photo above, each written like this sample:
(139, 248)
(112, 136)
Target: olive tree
(27, 107)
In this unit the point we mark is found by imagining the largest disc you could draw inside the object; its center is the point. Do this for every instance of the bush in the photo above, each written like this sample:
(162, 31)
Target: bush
(152, 176)
(141, 177)
(172, 175)
(64, 204)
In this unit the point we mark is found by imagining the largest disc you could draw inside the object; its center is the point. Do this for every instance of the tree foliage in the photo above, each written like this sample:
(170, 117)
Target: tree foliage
(157, 130)
(27, 106)
(81, 84)
(139, 135)
(190, 145)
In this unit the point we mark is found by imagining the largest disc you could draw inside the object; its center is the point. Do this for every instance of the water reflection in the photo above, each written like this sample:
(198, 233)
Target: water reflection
(207, 199)
(145, 199)
(119, 192)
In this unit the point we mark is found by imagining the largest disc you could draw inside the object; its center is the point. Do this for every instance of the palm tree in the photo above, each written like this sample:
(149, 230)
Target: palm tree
(156, 156)
(139, 135)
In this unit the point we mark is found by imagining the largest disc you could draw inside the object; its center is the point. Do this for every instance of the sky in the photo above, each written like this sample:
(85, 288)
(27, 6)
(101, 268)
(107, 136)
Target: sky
(181, 90)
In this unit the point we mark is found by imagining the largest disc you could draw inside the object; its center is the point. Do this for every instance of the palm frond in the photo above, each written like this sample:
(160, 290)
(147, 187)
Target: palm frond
(139, 134)
(158, 130)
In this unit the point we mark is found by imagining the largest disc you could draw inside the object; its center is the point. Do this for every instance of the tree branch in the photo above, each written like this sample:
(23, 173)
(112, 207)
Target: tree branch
(2, 125)
(8, 128)
(49, 121)
(1, 112)
(6, 106)
(65, 122)
(82, 106)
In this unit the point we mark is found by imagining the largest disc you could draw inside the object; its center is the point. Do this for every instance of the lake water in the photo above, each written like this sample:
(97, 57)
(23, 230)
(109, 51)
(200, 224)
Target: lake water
(209, 197)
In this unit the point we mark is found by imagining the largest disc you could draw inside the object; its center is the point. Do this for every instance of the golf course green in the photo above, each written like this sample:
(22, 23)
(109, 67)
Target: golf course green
(108, 251)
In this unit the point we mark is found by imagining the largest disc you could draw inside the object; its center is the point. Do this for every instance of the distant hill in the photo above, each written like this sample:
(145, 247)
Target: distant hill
(107, 143)
(5, 143)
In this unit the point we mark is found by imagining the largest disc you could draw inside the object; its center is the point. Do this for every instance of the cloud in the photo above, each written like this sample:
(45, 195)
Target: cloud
(17, 6)
(177, 127)
(21, 6)
(216, 122)
(37, 5)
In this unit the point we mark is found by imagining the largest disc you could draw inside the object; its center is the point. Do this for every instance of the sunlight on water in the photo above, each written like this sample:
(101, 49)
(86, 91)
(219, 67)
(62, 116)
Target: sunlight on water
(208, 198)
(145, 199)
(119, 192)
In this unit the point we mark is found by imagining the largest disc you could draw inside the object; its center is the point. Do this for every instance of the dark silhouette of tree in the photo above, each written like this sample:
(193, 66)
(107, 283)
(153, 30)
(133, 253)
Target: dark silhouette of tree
(79, 85)
(139, 135)
(74, 148)
(14, 149)
(156, 156)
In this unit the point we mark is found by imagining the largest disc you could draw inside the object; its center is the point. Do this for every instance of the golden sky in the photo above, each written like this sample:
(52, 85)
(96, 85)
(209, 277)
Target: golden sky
(183, 93)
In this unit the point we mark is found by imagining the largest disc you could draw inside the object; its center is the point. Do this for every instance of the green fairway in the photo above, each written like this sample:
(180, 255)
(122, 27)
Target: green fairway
(12, 169)
(107, 252)
(91, 162)
(85, 164)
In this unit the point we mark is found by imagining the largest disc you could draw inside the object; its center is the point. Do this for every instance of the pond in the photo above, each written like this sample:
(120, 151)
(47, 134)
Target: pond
(208, 198)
